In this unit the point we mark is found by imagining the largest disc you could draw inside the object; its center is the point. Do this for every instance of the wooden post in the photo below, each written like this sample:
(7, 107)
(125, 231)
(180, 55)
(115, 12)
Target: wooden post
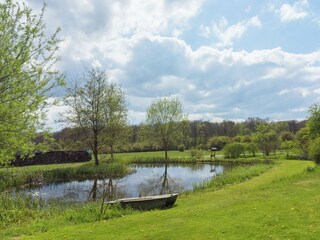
(213, 152)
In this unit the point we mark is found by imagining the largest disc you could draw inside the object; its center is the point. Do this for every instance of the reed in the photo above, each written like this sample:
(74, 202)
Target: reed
(236, 175)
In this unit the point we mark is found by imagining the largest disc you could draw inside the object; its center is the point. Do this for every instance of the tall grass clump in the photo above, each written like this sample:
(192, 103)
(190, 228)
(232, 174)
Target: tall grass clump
(88, 170)
(17, 209)
(236, 175)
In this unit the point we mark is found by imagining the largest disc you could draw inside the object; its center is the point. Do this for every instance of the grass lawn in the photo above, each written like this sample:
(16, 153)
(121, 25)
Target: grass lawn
(185, 156)
(282, 203)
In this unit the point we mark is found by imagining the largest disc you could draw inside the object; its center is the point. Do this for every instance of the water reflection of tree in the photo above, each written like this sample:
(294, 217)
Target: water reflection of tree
(196, 167)
(106, 189)
(160, 184)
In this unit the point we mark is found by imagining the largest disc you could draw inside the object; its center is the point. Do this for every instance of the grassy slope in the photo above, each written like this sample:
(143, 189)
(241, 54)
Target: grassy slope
(282, 203)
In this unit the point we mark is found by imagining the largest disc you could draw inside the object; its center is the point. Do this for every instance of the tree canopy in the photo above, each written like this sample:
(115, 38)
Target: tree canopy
(166, 121)
(98, 108)
(27, 73)
(313, 122)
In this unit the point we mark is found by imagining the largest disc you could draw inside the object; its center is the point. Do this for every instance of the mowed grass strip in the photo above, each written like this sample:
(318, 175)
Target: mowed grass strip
(282, 203)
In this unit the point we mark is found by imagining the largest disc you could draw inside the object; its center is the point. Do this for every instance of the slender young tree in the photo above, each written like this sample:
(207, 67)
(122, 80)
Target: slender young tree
(165, 121)
(27, 73)
(97, 107)
(115, 112)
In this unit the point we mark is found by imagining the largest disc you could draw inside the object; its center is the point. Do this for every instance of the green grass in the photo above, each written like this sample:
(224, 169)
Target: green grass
(184, 157)
(273, 201)
(281, 203)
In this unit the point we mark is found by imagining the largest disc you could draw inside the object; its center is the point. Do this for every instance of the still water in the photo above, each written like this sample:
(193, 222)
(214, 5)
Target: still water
(145, 180)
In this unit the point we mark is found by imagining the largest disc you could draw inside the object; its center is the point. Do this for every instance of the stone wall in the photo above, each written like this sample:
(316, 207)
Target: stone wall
(53, 157)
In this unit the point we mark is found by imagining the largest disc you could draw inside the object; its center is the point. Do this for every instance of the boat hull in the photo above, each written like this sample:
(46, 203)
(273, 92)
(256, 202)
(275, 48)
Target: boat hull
(148, 202)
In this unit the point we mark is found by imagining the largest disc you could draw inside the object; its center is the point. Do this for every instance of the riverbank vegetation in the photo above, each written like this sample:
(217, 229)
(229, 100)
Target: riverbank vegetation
(42, 174)
(275, 201)
(28, 215)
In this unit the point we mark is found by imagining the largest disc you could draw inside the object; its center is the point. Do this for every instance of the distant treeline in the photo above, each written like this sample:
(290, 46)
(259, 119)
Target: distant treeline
(199, 134)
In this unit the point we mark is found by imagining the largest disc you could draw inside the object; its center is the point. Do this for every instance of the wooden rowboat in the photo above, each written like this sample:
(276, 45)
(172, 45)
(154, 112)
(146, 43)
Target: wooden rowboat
(148, 202)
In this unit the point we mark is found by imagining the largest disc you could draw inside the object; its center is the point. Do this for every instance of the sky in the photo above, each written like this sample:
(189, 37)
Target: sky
(224, 60)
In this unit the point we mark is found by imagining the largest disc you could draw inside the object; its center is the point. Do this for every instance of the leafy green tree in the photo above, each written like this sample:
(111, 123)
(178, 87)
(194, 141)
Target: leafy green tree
(252, 147)
(97, 108)
(165, 121)
(313, 122)
(246, 139)
(287, 136)
(314, 150)
(288, 146)
(267, 139)
(117, 129)
(303, 141)
(27, 73)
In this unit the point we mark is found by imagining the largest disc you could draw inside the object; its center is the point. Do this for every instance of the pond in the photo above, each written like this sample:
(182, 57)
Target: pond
(145, 180)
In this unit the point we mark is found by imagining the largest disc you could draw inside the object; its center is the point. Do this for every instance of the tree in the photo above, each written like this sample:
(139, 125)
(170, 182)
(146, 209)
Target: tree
(252, 147)
(27, 73)
(266, 138)
(116, 117)
(313, 122)
(314, 150)
(303, 141)
(287, 136)
(165, 121)
(97, 108)
(287, 146)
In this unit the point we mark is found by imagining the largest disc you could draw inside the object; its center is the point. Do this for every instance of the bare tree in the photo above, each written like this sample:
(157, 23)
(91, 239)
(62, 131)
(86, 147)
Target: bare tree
(93, 106)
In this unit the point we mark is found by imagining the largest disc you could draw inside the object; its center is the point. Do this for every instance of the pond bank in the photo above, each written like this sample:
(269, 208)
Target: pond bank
(274, 205)
(145, 180)
(35, 219)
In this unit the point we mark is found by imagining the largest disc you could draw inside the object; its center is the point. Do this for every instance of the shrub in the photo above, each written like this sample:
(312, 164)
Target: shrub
(181, 148)
(196, 153)
(233, 150)
(314, 150)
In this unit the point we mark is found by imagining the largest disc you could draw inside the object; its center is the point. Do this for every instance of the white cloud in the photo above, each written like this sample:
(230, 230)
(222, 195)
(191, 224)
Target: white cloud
(151, 16)
(226, 34)
(299, 110)
(205, 117)
(288, 13)
(144, 47)
(275, 73)
(304, 92)
(221, 81)
(55, 113)
(317, 91)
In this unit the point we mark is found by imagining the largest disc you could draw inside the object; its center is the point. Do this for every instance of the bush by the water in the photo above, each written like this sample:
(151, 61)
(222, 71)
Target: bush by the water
(196, 153)
(233, 150)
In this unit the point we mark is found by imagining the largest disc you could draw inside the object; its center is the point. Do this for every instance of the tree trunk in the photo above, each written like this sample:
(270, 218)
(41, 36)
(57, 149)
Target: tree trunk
(111, 152)
(165, 153)
(95, 148)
